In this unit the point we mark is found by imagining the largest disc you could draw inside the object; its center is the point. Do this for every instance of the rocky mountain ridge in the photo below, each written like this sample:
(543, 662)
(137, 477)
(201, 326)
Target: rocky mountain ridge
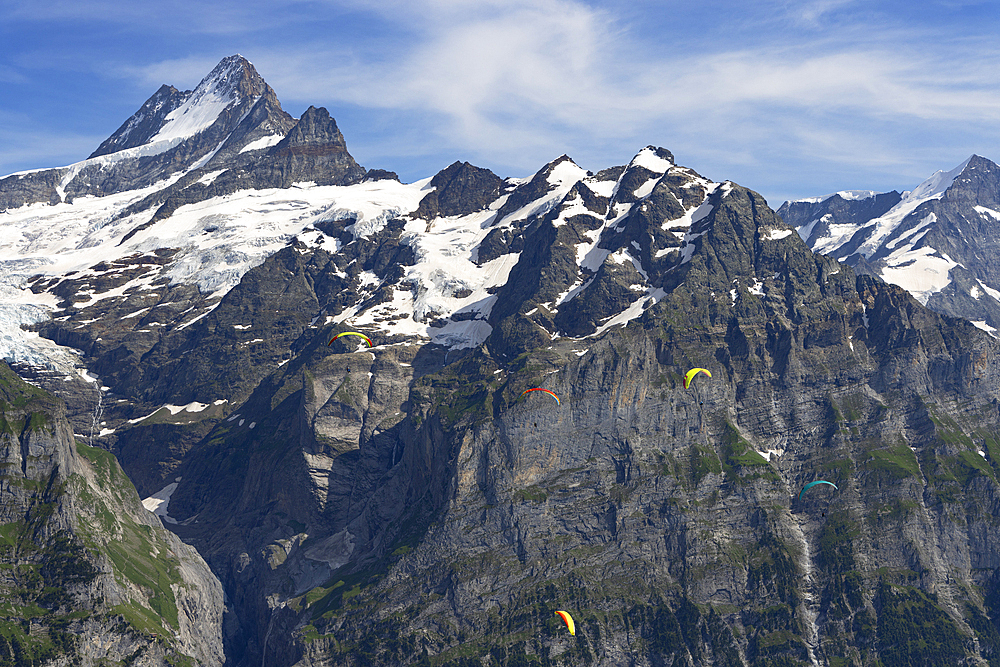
(232, 119)
(408, 504)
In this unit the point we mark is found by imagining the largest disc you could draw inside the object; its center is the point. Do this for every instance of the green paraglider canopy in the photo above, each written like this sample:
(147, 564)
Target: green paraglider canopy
(812, 484)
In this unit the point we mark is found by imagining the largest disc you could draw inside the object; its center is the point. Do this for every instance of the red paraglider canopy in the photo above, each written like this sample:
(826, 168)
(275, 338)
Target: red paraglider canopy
(550, 393)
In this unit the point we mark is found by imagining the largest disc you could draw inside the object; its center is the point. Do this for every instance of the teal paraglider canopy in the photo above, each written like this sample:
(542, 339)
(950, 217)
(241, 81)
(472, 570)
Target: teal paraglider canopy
(812, 484)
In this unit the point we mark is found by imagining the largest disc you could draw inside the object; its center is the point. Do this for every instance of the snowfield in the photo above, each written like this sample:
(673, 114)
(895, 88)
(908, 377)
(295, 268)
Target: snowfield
(216, 241)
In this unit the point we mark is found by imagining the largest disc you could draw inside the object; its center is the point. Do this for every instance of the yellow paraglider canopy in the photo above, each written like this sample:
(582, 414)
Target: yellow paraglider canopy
(691, 373)
(568, 620)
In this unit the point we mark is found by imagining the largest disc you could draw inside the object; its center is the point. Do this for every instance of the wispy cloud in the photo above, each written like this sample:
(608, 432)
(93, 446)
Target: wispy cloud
(832, 84)
(223, 17)
(180, 72)
(515, 77)
(814, 13)
(11, 75)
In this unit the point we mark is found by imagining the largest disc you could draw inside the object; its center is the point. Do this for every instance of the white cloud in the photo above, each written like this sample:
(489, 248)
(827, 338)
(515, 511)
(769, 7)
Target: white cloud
(875, 83)
(222, 17)
(814, 12)
(182, 73)
(839, 83)
(505, 78)
(11, 75)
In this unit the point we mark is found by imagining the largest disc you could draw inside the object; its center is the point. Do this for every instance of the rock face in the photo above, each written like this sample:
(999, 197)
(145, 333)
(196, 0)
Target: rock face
(314, 150)
(652, 512)
(459, 189)
(408, 504)
(169, 142)
(90, 575)
(938, 241)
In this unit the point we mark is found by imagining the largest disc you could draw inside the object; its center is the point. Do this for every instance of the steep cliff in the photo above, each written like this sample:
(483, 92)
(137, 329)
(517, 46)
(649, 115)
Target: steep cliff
(89, 576)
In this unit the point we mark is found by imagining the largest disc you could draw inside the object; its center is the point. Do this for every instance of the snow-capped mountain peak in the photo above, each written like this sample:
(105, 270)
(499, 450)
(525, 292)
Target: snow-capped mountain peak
(234, 77)
(890, 225)
(230, 119)
(656, 160)
(171, 115)
(216, 92)
(136, 130)
(459, 252)
(564, 172)
(201, 187)
(935, 186)
(938, 240)
(847, 195)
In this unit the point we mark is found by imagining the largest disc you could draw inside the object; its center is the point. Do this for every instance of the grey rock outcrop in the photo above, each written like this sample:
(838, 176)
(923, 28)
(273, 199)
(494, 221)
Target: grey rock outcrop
(459, 189)
(433, 507)
(314, 150)
(671, 515)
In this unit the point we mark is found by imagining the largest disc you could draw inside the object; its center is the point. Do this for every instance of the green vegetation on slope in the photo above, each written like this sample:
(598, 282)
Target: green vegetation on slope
(913, 630)
(39, 591)
(137, 554)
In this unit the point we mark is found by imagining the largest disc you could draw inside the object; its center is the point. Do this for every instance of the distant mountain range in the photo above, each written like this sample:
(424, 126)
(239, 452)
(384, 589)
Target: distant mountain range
(939, 241)
(170, 305)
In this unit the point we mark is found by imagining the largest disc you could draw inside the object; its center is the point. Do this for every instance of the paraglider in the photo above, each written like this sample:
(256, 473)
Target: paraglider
(689, 376)
(351, 333)
(564, 615)
(552, 394)
(812, 484)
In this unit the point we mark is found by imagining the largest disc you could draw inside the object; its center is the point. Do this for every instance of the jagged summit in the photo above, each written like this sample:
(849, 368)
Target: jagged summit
(459, 189)
(171, 114)
(145, 122)
(601, 241)
(234, 77)
(846, 195)
(181, 147)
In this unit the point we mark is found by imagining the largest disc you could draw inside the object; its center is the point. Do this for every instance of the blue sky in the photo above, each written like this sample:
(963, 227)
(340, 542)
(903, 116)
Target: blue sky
(791, 99)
